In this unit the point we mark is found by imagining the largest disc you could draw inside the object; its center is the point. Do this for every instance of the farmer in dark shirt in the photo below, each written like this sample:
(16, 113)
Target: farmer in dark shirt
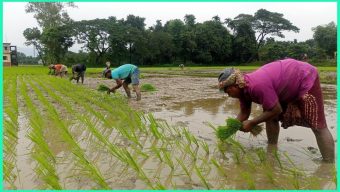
(78, 71)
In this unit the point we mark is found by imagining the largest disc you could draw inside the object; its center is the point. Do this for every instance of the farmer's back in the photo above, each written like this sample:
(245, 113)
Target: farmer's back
(286, 79)
(123, 71)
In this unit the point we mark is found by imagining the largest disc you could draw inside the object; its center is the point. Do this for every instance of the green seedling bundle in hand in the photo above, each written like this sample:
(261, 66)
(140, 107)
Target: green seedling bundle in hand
(224, 132)
(103, 88)
(232, 126)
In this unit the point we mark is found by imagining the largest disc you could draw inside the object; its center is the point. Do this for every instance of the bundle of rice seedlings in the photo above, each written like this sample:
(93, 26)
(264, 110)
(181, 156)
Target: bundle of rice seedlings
(224, 132)
(147, 87)
(103, 88)
(71, 78)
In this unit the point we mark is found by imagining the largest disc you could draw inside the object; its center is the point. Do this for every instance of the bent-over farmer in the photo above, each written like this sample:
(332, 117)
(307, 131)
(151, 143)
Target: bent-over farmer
(124, 75)
(289, 91)
(78, 71)
(59, 69)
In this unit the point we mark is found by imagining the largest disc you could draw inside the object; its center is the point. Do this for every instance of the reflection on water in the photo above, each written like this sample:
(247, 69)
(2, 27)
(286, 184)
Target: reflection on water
(295, 141)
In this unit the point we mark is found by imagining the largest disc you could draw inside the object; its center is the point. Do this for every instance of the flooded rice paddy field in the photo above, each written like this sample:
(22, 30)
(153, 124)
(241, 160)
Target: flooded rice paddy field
(71, 136)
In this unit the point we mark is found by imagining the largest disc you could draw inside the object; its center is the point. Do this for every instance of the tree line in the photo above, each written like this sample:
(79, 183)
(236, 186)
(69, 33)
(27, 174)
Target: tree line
(243, 39)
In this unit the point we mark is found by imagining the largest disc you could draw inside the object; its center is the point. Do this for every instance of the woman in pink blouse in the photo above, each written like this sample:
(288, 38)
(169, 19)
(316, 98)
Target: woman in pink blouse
(289, 91)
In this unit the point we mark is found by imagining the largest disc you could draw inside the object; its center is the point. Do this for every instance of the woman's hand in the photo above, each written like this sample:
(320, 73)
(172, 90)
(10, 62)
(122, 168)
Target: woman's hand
(247, 125)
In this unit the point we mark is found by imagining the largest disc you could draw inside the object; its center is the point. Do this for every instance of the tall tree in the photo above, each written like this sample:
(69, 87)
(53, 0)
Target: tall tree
(190, 20)
(33, 36)
(50, 17)
(244, 40)
(175, 28)
(49, 14)
(214, 43)
(271, 23)
(326, 38)
(264, 23)
(94, 35)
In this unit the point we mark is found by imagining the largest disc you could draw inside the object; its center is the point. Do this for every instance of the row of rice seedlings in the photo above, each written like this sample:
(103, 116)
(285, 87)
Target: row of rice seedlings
(123, 155)
(193, 141)
(10, 131)
(89, 169)
(114, 150)
(41, 152)
(125, 115)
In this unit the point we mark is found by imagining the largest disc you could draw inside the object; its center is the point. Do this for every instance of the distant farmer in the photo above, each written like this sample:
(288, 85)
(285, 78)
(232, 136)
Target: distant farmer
(304, 57)
(78, 71)
(124, 75)
(108, 64)
(289, 91)
(59, 69)
(181, 66)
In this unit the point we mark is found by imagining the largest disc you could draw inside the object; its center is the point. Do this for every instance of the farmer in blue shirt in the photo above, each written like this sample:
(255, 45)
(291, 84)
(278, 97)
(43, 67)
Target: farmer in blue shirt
(124, 75)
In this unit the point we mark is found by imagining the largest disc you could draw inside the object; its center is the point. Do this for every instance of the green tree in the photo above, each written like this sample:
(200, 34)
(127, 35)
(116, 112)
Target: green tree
(175, 28)
(94, 35)
(33, 36)
(271, 23)
(51, 17)
(244, 40)
(214, 43)
(326, 38)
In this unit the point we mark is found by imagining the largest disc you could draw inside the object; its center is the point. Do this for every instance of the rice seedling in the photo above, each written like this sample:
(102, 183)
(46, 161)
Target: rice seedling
(183, 166)
(236, 156)
(205, 146)
(277, 157)
(201, 177)
(250, 162)
(237, 144)
(132, 162)
(167, 159)
(269, 172)
(154, 127)
(261, 154)
(103, 88)
(147, 88)
(249, 180)
(219, 167)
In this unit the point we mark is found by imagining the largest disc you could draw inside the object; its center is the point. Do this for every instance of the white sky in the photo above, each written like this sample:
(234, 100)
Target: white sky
(304, 15)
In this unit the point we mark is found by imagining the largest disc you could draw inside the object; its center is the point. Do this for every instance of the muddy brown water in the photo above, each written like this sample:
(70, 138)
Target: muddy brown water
(194, 102)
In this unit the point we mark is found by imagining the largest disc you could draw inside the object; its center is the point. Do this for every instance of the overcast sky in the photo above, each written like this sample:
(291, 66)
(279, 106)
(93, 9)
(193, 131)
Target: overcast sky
(304, 15)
